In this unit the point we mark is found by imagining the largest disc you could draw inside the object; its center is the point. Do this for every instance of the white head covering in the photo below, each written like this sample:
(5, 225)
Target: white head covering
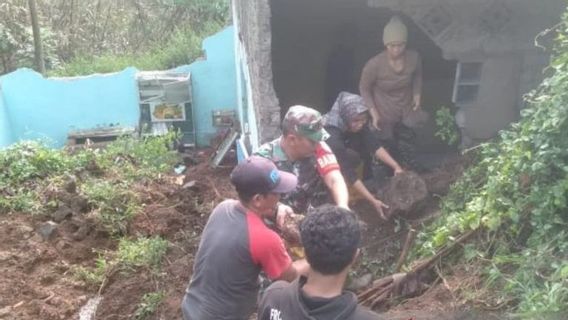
(395, 31)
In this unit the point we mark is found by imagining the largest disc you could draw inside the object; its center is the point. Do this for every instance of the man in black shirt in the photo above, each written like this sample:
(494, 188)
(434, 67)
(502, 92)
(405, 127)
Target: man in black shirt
(331, 238)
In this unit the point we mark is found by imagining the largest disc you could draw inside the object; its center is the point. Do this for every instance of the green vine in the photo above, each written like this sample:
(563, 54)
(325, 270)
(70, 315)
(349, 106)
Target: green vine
(517, 194)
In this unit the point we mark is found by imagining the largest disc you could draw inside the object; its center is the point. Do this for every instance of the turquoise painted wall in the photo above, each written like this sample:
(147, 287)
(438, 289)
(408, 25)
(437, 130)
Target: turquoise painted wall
(5, 128)
(48, 109)
(34, 107)
(213, 82)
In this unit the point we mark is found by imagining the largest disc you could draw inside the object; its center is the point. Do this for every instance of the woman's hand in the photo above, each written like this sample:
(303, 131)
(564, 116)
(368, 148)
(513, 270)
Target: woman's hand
(379, 208)
(375, 122)
(416, 102)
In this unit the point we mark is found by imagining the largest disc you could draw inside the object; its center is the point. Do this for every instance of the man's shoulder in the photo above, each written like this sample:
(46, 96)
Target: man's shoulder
(278, 287)
(278, 292)
(271, 150)
(226, 205)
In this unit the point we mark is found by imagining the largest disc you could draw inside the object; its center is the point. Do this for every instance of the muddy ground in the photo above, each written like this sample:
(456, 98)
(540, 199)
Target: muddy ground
(36, 274)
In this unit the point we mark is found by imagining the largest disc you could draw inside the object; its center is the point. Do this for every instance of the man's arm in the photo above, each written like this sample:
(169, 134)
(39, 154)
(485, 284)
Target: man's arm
(296, 269)
(329, 170)
(336, 184)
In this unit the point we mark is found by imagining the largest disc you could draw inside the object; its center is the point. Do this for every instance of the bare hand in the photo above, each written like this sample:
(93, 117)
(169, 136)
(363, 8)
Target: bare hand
(416, 103)
(398, 170)
(379, 206)
(375, 123)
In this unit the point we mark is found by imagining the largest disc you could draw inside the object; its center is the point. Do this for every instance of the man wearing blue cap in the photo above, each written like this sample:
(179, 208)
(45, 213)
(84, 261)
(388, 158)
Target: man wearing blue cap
(236, 246)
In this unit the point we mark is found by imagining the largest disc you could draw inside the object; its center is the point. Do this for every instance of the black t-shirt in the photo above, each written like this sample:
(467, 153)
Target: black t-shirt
(312, 303)
(284, 300)
(352, 148)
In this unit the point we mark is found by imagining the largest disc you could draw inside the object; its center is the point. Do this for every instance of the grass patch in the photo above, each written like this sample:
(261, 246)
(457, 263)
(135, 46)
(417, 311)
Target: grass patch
(148, 305)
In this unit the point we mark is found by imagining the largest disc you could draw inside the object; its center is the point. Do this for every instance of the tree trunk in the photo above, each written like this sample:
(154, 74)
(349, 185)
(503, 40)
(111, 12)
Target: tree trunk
(38, 52)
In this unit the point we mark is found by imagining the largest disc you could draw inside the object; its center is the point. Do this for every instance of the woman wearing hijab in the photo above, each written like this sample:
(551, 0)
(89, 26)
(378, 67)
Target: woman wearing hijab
(354, 144)
(391, 85)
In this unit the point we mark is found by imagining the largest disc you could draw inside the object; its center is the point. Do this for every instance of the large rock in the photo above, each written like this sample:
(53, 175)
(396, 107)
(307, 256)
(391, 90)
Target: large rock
(62, 213)
(405, 193)
(47, 230)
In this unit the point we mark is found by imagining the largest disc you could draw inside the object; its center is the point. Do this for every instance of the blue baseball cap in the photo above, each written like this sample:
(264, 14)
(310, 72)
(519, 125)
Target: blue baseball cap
(258, 175)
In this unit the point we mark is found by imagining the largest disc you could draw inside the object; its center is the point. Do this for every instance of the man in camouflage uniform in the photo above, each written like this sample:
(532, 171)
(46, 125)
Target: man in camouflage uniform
(301, 149)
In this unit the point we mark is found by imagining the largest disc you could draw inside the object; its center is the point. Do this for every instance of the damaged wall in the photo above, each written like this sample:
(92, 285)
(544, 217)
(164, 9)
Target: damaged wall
(252, 20)
(213, 83)
(47, 109)
(5, 127)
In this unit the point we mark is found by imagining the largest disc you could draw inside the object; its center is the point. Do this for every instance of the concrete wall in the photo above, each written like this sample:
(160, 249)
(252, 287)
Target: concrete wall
(495, 107)
(213, 82)
(249, 139)
(253, 29)
(48, 109)
(5, 127)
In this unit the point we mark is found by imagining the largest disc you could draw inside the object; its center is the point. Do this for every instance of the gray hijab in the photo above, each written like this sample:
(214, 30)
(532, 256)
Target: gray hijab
(346, 107)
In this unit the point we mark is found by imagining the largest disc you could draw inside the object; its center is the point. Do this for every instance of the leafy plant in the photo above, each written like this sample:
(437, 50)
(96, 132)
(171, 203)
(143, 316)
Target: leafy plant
(131, 254)
(447, 128)
(29, 171)
(143, 252)
(92, 277)
(148, 305)
(115, 203)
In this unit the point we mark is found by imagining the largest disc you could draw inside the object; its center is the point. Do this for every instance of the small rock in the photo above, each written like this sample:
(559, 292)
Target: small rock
(81, 300)
(6, 311)
(25, 229)
(80, 204)
(62, 245)
(361, 282)
(71, 184)
(5, 256)
(189, 185)
(47, 279)
(61, 214)
(47, 230)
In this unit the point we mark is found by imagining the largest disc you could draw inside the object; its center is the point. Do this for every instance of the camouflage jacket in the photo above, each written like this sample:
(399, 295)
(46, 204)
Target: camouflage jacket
(311, 190)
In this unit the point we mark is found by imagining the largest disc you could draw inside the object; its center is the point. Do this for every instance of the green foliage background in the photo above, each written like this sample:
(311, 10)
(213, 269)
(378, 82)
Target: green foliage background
(84, 37)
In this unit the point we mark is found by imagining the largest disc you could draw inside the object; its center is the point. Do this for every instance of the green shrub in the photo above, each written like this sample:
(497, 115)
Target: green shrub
(517, 195)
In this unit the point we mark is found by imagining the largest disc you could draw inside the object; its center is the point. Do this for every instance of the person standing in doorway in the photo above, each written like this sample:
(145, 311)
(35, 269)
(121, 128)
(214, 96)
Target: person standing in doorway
(391, 86)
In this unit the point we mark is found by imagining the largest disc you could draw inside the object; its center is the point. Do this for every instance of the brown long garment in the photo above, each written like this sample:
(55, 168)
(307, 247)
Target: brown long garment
(393, 92)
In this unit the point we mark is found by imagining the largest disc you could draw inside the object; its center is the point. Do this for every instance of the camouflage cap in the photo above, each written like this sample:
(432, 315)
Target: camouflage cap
(306, 122)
